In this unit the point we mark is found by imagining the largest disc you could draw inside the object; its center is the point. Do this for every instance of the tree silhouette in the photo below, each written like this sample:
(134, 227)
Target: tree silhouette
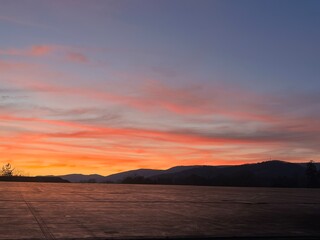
(7, 170)
(312, 174)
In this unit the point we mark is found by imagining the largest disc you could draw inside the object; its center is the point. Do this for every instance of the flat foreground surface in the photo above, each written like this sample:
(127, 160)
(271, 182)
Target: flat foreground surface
(103, 211)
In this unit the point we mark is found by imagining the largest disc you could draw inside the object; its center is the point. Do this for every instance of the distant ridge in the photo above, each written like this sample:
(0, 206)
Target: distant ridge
(118, 177)
(83, 178)
(266, 173)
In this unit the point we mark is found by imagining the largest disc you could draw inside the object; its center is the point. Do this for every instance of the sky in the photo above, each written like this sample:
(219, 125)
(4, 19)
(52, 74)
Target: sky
(101, 86)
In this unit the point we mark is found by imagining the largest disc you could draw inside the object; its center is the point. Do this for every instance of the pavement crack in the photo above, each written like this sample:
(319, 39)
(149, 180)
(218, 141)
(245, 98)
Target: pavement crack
(42, 225)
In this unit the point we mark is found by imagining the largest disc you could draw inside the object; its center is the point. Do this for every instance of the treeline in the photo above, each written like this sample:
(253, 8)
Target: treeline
(32, 179)
(308, 176)
(10, 174)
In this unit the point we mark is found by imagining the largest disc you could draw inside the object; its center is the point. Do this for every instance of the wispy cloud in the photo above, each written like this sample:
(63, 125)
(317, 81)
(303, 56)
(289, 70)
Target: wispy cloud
(12, 65)
(21, 22)
(72, 139)
(77, 57)
(66, 53)
(153, 96)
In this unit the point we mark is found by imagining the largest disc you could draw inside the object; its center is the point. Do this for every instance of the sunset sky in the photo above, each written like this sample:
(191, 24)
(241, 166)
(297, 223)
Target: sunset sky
(107, 86)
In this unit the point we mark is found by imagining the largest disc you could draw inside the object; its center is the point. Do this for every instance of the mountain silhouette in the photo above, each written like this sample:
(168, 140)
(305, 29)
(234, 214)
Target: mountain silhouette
(83, 178)
(274, 173)
(270, 173)
(119, 177)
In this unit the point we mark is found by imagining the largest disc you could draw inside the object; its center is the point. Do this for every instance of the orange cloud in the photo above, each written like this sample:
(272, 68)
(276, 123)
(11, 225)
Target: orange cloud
(100, 132)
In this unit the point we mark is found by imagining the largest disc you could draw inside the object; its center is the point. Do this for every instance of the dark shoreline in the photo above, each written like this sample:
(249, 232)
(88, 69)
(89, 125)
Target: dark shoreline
(32, 179)
(195, 237)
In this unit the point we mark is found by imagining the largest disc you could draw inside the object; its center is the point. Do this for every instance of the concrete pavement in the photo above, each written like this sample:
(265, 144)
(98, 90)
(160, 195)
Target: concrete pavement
(106, 211)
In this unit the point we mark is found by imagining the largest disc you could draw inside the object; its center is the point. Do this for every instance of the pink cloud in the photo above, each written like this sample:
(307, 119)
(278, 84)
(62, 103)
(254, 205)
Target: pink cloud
(234, 104)
(156, 96)
(33, 51)
(43, 50)
(12, 66)
(77, 57)
(94, 131)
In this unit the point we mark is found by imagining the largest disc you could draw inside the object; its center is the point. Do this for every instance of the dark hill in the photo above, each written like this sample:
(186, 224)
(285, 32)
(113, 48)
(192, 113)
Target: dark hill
(119, 177)
(268, 174)
(83, 178)
(273, 173)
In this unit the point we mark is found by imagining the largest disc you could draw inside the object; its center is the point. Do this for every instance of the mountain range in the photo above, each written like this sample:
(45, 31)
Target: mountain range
(119, 177)
(268, 173)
